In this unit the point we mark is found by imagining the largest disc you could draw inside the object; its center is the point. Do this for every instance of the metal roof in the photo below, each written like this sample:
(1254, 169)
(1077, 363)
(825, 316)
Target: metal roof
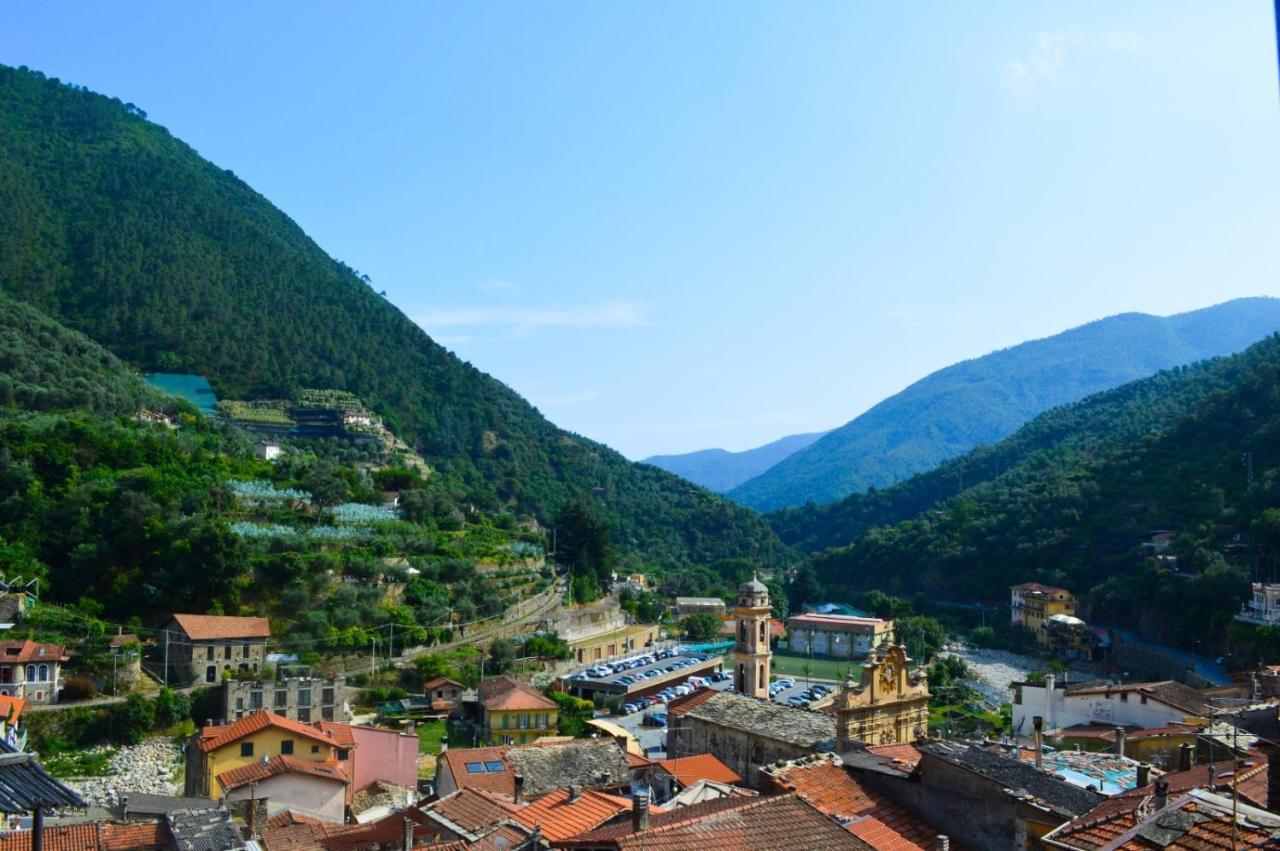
(25, 785)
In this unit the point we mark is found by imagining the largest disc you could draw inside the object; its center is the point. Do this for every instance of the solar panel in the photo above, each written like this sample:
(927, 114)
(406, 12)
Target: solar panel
(475, 768)
(495, 767)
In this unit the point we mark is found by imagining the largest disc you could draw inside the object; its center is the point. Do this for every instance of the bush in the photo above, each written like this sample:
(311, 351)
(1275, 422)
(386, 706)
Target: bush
(171, 707)
(132, 720)
(79, 688)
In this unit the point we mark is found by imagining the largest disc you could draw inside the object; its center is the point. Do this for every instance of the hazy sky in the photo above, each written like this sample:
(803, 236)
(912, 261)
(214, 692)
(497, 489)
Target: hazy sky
(681, 225)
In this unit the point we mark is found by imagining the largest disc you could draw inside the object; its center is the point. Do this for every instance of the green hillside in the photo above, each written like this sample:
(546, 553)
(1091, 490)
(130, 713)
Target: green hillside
(720, 470)
(1069, 499)
(983, 400)
(124, 233)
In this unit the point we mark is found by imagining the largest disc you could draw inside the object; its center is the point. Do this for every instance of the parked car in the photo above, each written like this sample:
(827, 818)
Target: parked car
(655, 719)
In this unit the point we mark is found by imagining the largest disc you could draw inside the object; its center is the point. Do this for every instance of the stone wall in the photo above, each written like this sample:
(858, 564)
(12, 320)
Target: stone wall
(741, 750)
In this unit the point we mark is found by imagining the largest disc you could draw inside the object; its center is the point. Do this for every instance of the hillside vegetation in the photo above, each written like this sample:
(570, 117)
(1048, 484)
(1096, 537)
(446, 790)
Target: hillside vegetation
(981, 401)
(124, 233)
(1069, 499)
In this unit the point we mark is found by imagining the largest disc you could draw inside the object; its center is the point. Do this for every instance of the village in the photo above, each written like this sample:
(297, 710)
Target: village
(638, 733)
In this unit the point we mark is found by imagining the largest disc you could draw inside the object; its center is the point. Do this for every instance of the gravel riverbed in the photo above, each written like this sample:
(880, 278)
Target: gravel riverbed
(993, 670)
(148, 767)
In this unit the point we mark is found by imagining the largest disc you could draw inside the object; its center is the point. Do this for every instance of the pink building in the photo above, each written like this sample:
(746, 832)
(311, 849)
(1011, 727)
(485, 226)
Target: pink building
(386, 755)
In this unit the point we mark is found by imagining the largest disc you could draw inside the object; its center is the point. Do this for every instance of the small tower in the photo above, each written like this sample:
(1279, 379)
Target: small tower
(751, 656)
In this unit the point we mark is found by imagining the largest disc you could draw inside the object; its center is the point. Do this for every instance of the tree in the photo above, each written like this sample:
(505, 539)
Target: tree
(502, 653)
(171, 707)
(582, 541)
(804, 587)
(133, 719)
(701, 627)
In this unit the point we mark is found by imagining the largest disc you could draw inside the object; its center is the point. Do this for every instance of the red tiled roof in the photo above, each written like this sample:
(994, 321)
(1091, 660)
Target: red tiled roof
(262, 769)
(471, 809)
(440, 681)
(11, 704)
(1251, 785)
(637, 761)
(21, 652)
(301, 836)
(383, 831)
(905, 757)
(879, 835)
(342, 735)
(506, 837)
(561, 818)
(285, 818)
(689, 702)
(65, 837)
(212, 738)
(509, 693)
(1121, 824)
(490, 781)
(729, 824)
(690, 769)
(213, 627)
(1105, 823)
(134, 837)
(122, 639)
(834, 791)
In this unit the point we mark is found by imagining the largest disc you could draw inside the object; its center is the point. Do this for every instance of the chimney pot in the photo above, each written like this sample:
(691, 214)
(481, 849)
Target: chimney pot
(1144, 774)
(408, 834)
(1120, 741)
(1038, 723)
(518, 781)
(1186, 756)
(1162, 793)
(943, 843)
(640, 811)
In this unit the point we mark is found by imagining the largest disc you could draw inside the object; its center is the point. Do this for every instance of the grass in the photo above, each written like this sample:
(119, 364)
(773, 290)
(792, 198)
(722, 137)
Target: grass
(429, 735)
(79, 763)
(823, 669)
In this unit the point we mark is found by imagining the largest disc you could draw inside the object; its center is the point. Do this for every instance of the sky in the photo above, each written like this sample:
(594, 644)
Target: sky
(684, 225)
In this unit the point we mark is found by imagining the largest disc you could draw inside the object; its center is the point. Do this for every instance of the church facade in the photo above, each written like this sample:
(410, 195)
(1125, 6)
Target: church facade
(889, 706)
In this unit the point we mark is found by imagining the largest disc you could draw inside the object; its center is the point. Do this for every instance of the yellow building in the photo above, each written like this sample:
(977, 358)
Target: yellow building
(218, 749)
(515, 713)
(1031, 604)
(890, 705)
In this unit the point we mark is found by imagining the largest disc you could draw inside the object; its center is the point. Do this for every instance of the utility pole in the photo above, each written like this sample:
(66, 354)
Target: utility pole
(373, 659)
(166, 657)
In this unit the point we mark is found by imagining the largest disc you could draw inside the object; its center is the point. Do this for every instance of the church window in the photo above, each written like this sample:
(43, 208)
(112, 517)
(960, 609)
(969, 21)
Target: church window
(760, 681)
(762, 639)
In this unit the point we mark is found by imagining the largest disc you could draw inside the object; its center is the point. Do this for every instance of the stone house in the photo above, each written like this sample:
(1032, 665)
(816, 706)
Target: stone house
(31, 670)
(303, 698)
(202, 648)
(444, 694)
(745, 733)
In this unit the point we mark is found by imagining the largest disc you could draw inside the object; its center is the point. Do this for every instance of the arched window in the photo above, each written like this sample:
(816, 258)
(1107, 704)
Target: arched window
(760, 683)
(762, 638)
(31, 672)
(44, 673)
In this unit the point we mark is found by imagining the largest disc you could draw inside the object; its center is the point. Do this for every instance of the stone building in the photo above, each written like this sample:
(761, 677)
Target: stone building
(743, 732)
(889, 706)
(752, 655)
(201, 648)
(303, 698)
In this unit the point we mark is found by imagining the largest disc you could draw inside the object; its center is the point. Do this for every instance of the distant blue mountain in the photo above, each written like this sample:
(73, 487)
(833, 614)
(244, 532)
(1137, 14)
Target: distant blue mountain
(982, 400)
(720, 470)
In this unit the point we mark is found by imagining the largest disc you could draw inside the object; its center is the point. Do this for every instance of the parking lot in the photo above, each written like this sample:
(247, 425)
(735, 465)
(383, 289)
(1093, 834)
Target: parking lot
(646, 673)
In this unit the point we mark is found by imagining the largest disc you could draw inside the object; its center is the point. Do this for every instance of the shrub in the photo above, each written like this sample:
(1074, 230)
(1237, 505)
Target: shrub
(79, 688)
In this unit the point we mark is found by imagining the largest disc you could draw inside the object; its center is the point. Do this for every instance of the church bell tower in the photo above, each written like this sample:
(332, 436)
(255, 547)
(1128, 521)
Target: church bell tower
(751, 655)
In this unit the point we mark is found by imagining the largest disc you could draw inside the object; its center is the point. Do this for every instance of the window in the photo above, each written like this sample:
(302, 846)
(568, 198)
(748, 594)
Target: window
(44, 673)
(315, 749)
(342, 753)
(211, 674)
(282, 698)
(208, 653)
(246, 749)
(304, 715)
(326, 696)
(495, 767)
(327, 713)
(244, 651)
(31, 672)
(39, 695)
(761, 681)
(475, 768)
(286, 747)
(226, 652)
(239, 703)
(304, 697)
(506, 721)
(255, 700)
(762, 623)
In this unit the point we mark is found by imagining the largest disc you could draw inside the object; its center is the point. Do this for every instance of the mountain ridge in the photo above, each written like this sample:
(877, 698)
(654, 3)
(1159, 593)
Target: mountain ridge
(982, 400)
(721, 470)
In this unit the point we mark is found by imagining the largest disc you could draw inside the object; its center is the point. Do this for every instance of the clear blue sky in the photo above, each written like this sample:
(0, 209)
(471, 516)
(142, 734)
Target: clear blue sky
(681, 225)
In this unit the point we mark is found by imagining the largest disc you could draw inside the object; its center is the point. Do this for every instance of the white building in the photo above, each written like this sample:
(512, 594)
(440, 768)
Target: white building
(1264, 608)
(837, 636)
(266, 450)
(1144, 705)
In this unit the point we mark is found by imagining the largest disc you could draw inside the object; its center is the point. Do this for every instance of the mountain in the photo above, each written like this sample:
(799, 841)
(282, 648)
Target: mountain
(980, 401)
(720, 470)
(1070, 498)
(122, 232)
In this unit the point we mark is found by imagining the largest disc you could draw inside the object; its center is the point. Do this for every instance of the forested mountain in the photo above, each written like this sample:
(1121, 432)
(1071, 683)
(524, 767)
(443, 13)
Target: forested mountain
(1069, 499)
(720, 470)
(123, 232)
(980, 401)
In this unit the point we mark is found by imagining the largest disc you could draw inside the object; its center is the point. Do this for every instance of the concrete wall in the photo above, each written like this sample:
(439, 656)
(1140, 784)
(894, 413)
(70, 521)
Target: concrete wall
(1059, 710)
(314, 796)
(1148, 663)
(386, 755)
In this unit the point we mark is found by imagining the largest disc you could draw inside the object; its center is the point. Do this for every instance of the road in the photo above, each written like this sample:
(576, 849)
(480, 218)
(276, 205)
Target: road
(1207, 668)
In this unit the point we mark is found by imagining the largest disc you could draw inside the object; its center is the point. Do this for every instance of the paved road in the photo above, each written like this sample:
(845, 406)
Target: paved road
(1206, 668)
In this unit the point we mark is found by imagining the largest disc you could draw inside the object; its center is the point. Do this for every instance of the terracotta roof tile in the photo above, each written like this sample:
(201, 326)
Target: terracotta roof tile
(1189, 823)
(276, 765)
(561, 818)
(689, 702)
(383, 831)
(212, 738)
(456, 760)
(832, 790)
(436, 682)
(879, 835)
(470, 809)
(65, 837)
(31, 651)
(904, 757)
(342, 735)
(214, 627)
(285, 818)
(506, 837)
(134, 837)
(509, 693)
(690, 769)
(730, 824)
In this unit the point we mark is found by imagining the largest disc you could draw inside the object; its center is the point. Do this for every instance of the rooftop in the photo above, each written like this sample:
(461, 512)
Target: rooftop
(212, 738)
(849, 623)
(24, 784)
(470, 813)
(587, 763)
(263, 769)
(690, 769)
(203, 830)
(212, 627)
(502, 693)
(788, 724)
(560, 815)
(729, 824)
(22, 652)
(1009, 773)
(1168, 692)
(1198, 820)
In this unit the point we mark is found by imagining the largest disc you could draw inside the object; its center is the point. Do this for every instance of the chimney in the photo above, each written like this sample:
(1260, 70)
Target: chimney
(1213, 771)
(575, 792)
(640, 811)
(1186, 756)
(1162, 793)
(408, 833)
(1144, 774)
(1273, 779)
(1119, 741)
(942, 843)
(1038, 723)
(518, 780)
(1050, 683)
